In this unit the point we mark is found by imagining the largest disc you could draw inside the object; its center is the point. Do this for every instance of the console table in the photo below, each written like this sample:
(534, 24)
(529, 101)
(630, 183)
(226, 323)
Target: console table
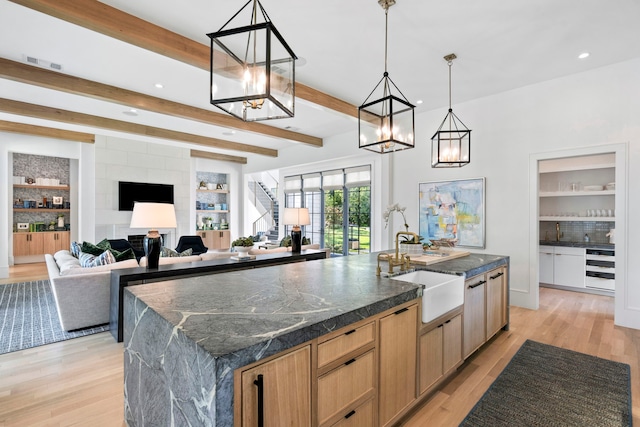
(121, 278)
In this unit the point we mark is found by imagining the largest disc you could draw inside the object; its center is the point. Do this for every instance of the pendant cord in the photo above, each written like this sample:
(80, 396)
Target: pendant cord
(450, 63)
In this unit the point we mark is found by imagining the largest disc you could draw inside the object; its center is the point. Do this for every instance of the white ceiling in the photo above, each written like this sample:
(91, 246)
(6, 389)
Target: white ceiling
(501, 45)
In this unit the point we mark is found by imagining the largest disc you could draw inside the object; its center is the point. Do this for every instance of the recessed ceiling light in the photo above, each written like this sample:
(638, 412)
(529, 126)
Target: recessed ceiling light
(419, 101)
(229, 132)
(131, 112)
(159, 85)
(583, 55)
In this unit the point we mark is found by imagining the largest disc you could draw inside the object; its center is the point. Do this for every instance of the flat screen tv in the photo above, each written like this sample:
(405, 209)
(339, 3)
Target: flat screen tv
(130, 192)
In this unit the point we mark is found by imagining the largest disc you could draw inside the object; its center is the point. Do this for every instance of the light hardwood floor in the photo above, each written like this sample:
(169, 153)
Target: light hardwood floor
(79, 382)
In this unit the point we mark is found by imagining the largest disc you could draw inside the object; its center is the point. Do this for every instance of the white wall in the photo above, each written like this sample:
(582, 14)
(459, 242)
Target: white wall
(119, 159)
(594, 108)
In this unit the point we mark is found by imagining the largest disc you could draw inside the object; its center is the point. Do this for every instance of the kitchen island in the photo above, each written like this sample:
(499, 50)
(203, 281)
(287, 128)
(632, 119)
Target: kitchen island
(185, 339)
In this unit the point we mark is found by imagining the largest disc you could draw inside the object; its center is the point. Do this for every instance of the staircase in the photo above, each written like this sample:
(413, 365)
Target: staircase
(265, 202)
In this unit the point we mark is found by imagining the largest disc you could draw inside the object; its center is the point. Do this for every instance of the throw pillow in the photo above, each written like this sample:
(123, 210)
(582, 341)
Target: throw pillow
(75, 249)
(124, 255)
(169, 253)
(89, 260)
(96, 249)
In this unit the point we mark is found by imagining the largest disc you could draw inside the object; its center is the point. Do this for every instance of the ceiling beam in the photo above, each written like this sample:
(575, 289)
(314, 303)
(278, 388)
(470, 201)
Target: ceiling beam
(47, 132)
(58, 115)
(37, 76)
(115, 23)
(216, 156)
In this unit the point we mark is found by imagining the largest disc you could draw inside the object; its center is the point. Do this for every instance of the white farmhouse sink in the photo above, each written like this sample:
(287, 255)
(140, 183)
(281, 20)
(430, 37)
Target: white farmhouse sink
(442, 292)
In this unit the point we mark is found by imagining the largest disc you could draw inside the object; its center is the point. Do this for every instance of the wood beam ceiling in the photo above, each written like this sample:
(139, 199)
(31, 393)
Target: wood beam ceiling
(114, 23)
(46, 132)
(55, 114)
(33, 75)
(216, 156)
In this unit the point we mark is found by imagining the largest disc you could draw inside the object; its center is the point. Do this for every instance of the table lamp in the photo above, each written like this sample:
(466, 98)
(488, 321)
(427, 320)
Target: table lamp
(153, 216)
(296, 217)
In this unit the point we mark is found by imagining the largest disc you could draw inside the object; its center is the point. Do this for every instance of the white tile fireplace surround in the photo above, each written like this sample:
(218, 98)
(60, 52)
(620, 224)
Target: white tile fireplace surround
(124, 231)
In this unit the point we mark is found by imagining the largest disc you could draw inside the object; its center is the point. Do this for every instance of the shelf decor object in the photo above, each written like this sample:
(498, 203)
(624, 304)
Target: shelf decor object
(453, 211)
(252, 68)
(386, 124)
(296, 217)
(153, 216)
(451, 144)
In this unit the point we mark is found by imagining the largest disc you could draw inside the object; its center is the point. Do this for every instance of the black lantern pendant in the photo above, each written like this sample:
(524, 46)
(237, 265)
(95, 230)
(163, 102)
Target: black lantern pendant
(451, 144)
(252, 68)
(386, 125)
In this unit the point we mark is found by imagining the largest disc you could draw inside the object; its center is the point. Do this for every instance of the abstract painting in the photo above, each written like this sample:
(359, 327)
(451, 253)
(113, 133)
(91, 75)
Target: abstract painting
(454, 211)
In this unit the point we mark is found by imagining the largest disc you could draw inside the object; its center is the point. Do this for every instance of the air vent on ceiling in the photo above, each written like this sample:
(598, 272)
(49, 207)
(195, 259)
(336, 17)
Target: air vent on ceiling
(43, 63)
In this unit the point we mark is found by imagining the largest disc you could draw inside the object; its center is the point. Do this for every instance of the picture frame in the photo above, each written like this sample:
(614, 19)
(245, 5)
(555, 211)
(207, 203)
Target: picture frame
(57, 200)
(453, 211)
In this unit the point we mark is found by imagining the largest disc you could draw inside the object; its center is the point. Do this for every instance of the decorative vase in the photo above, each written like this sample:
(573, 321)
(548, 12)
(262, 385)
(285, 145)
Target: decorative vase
(60, 222)
(243, 251)
(199, 222)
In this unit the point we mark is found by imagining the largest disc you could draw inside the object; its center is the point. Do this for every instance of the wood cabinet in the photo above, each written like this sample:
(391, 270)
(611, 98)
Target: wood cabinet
(440, 351)
(278, 391)
(398, 349)
(474, 314)
(27, 244)
(485, 308)
(55, 241)
(46, 242)
(496, 301)
(215, 239)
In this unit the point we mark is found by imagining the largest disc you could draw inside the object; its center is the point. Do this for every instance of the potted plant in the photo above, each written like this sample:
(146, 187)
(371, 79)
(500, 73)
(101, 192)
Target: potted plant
(242, 245)
(411, 245)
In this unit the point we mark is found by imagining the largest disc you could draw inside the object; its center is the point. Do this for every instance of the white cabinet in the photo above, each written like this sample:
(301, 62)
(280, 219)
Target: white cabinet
(545, 261)
(563, 266)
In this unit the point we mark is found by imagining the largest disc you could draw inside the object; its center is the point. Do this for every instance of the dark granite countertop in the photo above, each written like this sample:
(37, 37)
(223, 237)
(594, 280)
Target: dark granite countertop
(263, 311)
(578, 244)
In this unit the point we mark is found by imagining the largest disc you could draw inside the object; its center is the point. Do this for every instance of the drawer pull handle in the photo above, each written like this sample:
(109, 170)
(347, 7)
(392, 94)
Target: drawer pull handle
(497, 275)
(448, 321)
(349, 362)
(350, 414)
(259, 383)
(482, 282)
(440, 326)
(402, 310)
(350, 332)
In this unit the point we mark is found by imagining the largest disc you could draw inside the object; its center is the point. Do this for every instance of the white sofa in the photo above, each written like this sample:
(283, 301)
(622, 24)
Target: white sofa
(82, 293)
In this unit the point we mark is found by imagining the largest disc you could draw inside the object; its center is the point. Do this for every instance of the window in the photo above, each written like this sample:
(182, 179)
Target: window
(339, 203)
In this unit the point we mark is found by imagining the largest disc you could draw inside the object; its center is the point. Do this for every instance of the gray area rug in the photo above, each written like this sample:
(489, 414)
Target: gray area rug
(29, 318)
(545, 385)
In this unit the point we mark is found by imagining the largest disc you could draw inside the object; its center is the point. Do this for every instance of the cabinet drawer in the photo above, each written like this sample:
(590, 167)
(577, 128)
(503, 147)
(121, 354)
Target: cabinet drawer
(341, 387)
(361, 416)
(566, 250)
(352, 339)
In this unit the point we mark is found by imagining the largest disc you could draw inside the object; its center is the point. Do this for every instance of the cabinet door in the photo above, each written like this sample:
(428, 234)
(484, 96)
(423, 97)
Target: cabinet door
(286, 391)
(207, 238)
(397, 384)
(474, 314)
(21, 244)
(54, 242)
(569, 270)
(431, 357)
(496, 301)
(452, 343)
(546, 264)
(225, 239)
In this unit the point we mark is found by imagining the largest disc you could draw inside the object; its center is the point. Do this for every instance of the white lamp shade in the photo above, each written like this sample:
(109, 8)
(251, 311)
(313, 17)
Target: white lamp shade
(296, 216)
(153, 215)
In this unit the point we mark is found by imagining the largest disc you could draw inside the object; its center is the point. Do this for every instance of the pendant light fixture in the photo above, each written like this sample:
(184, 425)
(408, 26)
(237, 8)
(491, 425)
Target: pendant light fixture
(252, 67)
(451, 145)
(386, 124)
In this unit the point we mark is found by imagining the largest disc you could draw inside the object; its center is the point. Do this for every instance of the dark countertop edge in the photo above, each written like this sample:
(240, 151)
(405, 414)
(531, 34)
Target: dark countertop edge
(209, 266)
(578, 244)
(450, 267)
